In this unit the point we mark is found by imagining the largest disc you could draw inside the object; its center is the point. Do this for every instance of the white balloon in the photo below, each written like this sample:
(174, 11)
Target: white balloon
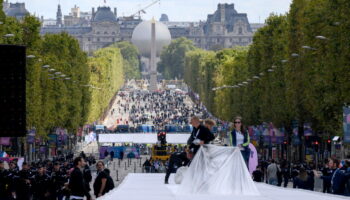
(142, 37)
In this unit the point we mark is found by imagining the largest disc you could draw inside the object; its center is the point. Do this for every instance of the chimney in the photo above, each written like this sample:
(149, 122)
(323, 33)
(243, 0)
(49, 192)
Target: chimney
(115, 12)
(222, 13)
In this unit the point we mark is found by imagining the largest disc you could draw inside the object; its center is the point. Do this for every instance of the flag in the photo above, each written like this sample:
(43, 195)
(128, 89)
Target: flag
(4, 155)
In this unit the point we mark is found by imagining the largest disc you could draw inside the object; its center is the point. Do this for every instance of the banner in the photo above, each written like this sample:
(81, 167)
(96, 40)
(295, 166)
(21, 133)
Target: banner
(6, 141)
(346, 124)
(30, 139)
(52, 140)
(129, 152)
(307, 129)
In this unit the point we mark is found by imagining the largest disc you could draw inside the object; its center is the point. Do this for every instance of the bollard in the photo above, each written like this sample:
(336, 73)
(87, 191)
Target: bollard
(135, 169)
(125, 166)
(117, 176)
(113, 165)
(140, 161)
(119, 163)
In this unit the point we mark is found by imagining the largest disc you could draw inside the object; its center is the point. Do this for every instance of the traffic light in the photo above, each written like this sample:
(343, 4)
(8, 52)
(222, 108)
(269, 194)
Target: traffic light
(162, 138)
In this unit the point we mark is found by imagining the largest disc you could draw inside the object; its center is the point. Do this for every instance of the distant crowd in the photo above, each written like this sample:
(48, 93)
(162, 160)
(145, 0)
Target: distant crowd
(335, 175)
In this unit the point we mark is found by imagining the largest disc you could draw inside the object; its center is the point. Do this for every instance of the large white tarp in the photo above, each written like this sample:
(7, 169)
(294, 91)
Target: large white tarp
(142, 138)
(151, 186)
(218, 170)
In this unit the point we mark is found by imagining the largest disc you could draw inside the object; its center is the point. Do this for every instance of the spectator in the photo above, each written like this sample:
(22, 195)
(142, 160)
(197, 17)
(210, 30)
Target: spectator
(303, 180)
(147, 165)
(112, 155)
(258, 175)
(272, 171)
(340, 179)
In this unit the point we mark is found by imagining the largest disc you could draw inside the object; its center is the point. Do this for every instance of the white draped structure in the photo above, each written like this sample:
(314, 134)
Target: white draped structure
(216, 173)
(142, 138)
(218, 170)
(151, 186)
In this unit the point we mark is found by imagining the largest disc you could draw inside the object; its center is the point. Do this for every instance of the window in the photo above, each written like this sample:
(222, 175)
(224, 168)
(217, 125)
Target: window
(98, 39)
(98, 32)
(240, 31)
(113, 33)
(106, 32)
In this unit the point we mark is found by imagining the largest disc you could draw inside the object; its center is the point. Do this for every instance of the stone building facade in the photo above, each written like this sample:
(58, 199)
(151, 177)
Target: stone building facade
(225, 28)
(103, 31)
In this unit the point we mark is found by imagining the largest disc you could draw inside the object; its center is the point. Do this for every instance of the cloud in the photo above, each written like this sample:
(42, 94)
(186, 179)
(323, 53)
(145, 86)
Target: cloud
(177, 10)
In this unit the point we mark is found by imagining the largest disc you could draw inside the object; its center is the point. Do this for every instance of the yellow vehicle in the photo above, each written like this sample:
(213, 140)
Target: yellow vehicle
(162, 152)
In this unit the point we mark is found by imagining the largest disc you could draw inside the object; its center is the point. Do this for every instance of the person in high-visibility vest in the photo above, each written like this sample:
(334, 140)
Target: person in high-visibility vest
(239, 137)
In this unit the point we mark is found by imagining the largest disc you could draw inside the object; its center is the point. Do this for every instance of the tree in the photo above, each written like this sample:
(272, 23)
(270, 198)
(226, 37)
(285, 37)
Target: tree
(172, 58)
(131, 61)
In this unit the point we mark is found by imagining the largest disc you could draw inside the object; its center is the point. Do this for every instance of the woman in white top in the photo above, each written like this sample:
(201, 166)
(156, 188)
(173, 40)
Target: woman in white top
(239, 137)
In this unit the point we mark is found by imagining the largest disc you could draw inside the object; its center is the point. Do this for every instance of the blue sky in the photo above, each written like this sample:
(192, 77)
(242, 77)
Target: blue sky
(177, 10)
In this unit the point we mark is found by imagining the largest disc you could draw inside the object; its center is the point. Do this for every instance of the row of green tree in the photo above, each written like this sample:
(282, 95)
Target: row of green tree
(296, 70)
(83, 90)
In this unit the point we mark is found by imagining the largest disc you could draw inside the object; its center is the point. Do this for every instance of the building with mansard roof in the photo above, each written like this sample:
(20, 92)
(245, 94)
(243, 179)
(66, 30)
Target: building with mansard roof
(225, 28)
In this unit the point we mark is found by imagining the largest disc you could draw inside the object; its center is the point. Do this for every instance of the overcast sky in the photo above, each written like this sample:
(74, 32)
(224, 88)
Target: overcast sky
(177, 10)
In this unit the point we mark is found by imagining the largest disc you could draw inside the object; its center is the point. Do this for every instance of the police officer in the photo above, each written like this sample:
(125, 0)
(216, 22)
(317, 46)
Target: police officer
(41, 185)
(87, 177)
(58, 179)
(11, 179)
(3, 181)
(24, 182)
(177, 160)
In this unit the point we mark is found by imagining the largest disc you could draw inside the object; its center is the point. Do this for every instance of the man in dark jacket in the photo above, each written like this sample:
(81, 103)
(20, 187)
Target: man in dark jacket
(339, 180)
(200, 135)
(87, 177)
(77, 183)
(176, 160)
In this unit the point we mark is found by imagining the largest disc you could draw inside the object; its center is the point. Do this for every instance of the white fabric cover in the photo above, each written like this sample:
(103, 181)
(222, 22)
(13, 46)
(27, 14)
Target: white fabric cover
(218, 170)
(149, 186)
(179, 176)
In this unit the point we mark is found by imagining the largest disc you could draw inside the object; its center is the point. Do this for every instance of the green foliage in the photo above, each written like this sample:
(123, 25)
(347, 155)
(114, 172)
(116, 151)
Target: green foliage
(312, 87)
(201, 63)
(131, 61)
(172, 58)
(57, 102)
(107, 76)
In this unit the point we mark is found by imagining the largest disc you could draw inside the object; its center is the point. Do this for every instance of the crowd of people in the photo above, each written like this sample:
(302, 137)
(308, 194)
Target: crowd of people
(54, 180)
(335, 175)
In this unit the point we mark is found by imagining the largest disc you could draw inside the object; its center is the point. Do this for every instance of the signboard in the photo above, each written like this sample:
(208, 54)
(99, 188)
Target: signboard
(52, 140)
(132, 152)
(346, 124)
(307, 129)
(6, 141)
